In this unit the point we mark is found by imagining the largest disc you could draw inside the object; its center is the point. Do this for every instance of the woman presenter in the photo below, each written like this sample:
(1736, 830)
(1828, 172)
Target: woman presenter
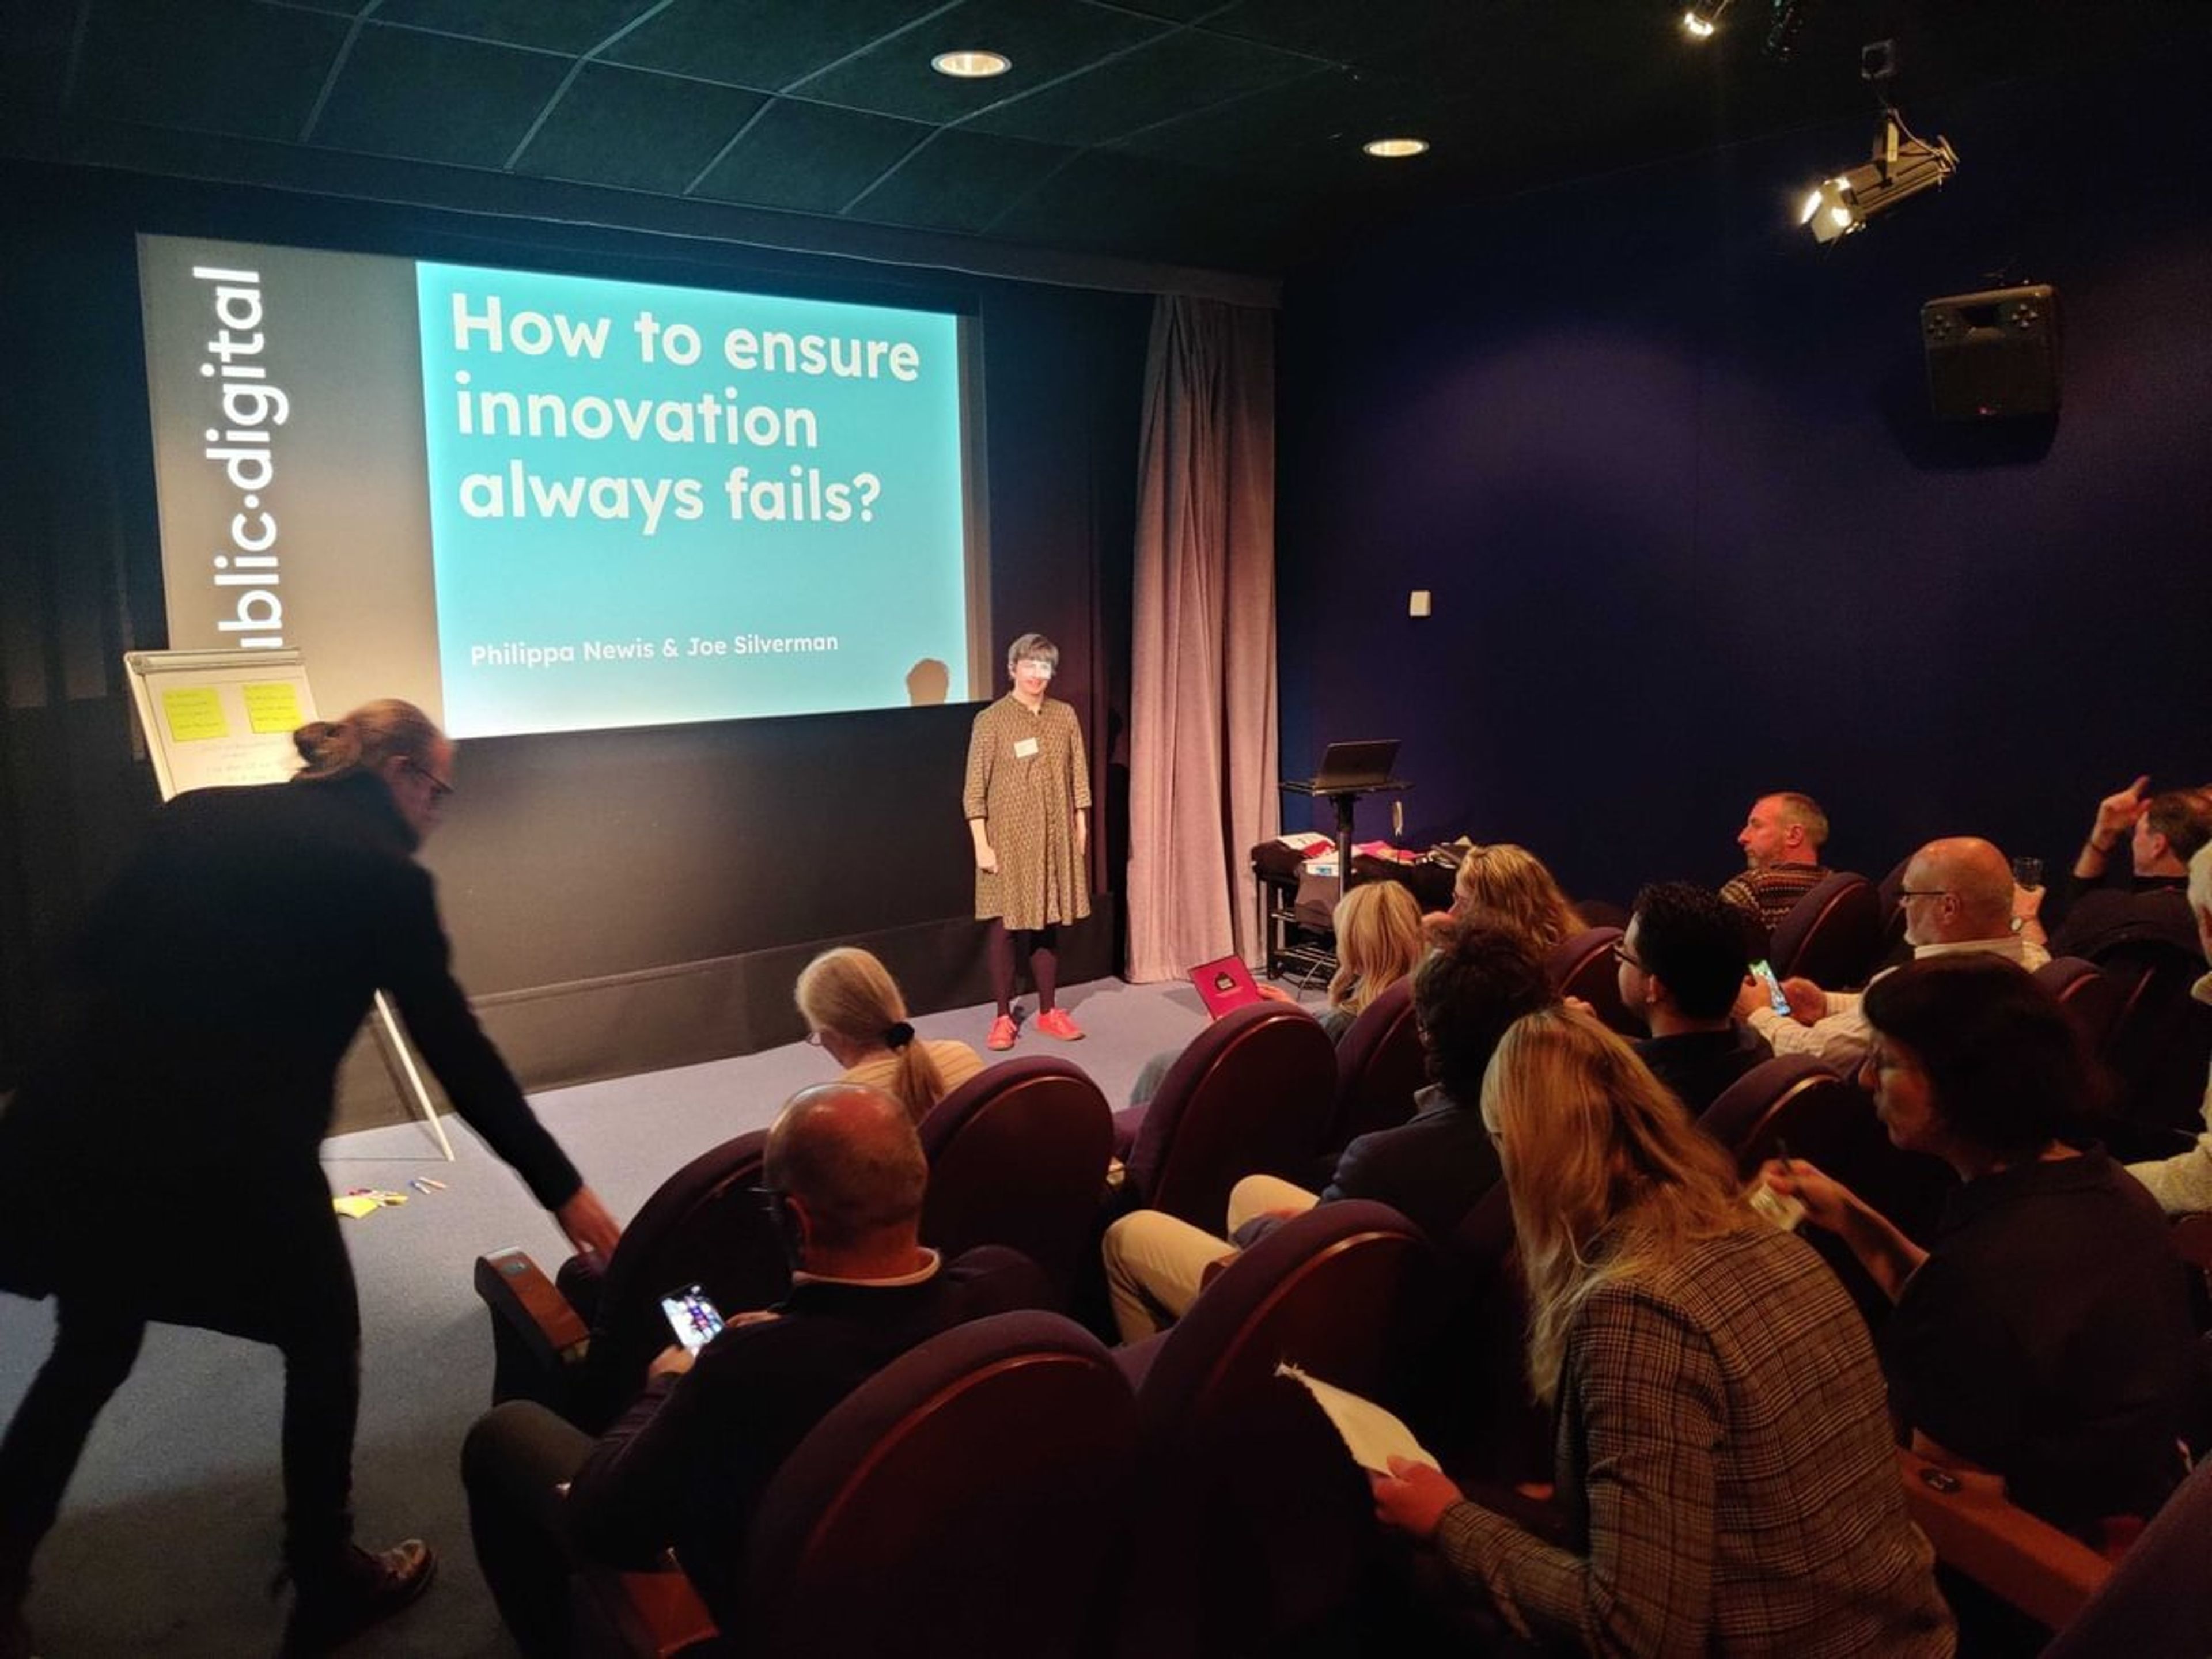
(1028, 802)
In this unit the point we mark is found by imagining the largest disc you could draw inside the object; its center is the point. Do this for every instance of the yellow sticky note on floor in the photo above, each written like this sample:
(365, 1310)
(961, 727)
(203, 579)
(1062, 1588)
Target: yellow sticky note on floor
(358, 1206)
(274, 707)
(194, 713)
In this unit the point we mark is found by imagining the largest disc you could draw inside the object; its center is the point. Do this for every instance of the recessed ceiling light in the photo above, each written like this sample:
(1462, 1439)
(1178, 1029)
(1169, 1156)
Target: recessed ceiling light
(971, 65)
(1391, 148)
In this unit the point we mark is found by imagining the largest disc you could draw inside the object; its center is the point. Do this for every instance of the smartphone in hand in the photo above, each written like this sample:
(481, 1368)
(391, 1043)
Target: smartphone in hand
(695, 1320)
(1765, 974)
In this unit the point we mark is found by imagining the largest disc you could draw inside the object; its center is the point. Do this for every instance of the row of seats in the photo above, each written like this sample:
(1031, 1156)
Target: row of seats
(1016, 1156)
(998, 1490)
(993, 1490)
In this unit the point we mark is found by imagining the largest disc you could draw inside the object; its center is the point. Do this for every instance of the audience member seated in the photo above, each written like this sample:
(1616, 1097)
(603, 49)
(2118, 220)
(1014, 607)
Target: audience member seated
(1681, 962)
(853, 1011)
(2044, 1334)
(685, 1466)
(1722, 1457)
(1782, 838)
(1431, 1170)
(2104, 904)
(1957, 898)
(2183, 1185)
(1378, 940)
(1509, 886)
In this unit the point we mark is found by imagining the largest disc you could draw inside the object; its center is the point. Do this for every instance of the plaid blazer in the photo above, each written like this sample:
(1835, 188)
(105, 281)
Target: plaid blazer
(1724, 1454)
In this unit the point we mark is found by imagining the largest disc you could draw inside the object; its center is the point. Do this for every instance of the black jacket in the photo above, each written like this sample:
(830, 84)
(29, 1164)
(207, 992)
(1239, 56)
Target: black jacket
(223, 976)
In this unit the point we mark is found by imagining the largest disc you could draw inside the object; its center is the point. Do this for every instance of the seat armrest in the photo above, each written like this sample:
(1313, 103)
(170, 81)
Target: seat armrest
(1976, 1530)
(526, 1306)
(2192, 1241)
(640, 1615)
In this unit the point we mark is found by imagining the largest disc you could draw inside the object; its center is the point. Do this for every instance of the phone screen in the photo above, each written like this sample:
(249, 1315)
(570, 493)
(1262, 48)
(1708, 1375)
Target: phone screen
(694, 1319)
(1765, 975)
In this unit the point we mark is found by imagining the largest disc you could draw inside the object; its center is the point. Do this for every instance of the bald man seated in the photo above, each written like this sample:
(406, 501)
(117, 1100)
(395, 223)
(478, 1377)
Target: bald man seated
(685, 1466)
(1958, 897)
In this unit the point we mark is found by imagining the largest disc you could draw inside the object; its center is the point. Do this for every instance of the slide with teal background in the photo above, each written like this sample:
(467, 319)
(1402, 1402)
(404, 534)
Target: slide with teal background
(653, 504)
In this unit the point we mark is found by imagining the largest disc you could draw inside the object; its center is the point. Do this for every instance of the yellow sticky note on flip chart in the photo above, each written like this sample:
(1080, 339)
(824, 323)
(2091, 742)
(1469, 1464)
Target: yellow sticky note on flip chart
(194, 713)
(274, 707)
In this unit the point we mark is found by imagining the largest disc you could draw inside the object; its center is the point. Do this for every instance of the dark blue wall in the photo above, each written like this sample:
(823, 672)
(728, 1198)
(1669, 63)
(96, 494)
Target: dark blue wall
(1669, 472)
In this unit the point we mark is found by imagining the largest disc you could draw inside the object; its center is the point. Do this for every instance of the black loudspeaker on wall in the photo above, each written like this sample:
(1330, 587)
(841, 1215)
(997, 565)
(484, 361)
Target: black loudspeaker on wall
(1993, 355)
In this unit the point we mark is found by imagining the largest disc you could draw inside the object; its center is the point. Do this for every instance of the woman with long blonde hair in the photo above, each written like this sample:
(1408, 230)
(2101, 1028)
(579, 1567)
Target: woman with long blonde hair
(1378, 943)
(1511, 885)
(1723, 1448)
(854, 1013)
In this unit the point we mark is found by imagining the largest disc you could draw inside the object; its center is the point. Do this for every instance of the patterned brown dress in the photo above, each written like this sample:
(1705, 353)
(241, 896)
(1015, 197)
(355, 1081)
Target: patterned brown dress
(1027, 778)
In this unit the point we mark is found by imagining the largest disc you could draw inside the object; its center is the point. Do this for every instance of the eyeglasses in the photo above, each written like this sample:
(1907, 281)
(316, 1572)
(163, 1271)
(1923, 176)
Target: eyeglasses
(439, 787)
(1924, 892)
(1620, 953)
(1037, 665)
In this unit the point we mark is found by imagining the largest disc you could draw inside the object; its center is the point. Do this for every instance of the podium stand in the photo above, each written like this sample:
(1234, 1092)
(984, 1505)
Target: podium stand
(1346, 796)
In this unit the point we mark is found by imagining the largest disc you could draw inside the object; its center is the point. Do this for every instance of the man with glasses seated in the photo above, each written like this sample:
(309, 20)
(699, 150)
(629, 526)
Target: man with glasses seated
(685, 1466)
(1682, 960)
(1958, 897)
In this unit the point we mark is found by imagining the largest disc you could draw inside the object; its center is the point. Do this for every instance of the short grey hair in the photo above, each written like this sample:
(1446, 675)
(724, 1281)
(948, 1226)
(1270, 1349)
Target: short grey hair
(1805, 812)
(1032, 644)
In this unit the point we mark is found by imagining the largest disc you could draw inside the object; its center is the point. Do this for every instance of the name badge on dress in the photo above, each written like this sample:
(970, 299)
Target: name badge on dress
(1024, 748)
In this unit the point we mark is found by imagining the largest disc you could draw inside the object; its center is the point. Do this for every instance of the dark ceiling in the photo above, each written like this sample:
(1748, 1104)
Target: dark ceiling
(1189, 132)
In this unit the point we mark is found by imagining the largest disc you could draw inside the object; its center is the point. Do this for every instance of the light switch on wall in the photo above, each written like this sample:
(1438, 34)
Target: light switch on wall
(1418, 605)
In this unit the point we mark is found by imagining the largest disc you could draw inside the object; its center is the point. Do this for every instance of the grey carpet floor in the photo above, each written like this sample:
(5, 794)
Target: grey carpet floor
(171, 1530)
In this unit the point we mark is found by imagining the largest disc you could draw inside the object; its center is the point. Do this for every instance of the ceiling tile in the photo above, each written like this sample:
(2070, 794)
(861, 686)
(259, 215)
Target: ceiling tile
(1140, 207)
(1173, 11)
(38, 36)
(1317, 122)
(221, 66)
(1182, 71)
(624, 126)
(768, 44)
(961, 181)
(1046, 38)
(570, 27)
(811, 158)
(1347, 33)
(435, 98)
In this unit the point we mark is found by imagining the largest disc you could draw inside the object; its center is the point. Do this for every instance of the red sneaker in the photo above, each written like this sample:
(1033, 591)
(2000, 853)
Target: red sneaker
(1055, 1022)
(1002, 1034)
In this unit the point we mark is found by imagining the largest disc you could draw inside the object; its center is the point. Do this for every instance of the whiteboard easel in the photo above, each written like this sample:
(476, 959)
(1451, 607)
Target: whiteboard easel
(227, 717)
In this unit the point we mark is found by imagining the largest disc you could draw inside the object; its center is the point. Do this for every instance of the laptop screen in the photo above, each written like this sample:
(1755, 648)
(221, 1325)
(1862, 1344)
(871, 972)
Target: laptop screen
(1356, 765)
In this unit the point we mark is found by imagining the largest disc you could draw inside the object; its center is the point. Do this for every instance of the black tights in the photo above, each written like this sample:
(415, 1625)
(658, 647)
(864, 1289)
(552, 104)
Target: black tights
(1044, 964)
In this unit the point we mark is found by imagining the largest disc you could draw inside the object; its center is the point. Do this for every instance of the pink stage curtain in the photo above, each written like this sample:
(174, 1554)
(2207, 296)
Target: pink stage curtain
(1202, 705)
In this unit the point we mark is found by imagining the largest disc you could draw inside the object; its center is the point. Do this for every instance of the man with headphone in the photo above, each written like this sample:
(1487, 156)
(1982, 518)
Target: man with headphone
(685, 1467)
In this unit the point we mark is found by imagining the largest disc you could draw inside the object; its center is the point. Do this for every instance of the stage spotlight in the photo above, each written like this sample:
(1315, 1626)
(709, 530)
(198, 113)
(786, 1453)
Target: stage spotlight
(1902, 167)
(1702, 18)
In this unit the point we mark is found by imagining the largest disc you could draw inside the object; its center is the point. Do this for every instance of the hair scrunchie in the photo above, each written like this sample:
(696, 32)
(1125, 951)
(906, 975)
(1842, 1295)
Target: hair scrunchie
(898, 1036)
